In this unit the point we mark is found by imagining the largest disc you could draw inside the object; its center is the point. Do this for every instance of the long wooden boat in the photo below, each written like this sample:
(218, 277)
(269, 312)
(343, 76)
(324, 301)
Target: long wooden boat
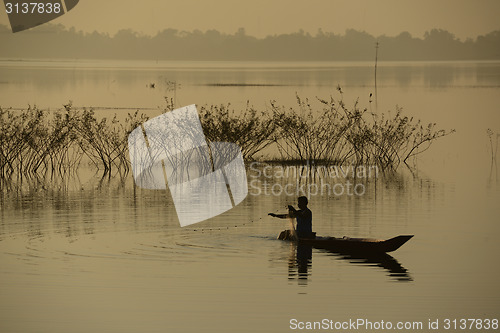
(347, 244)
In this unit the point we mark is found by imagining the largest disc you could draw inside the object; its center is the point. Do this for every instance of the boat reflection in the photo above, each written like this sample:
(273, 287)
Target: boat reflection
(300, 263)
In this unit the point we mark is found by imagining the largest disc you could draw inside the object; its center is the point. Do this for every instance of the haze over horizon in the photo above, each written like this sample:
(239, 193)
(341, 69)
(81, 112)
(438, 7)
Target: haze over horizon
(464, 18)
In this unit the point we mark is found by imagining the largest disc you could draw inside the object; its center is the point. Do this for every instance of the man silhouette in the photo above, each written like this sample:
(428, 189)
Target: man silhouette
(303, 216)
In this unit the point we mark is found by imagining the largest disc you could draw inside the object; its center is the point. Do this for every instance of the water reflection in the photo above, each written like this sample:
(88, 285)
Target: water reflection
(115, 84)
(300, 263)
(396, 271)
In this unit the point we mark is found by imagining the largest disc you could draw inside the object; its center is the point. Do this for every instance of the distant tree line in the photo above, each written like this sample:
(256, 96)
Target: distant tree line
(55, 41)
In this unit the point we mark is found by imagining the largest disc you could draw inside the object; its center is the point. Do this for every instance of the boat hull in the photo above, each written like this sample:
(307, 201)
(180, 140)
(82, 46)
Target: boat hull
(349, 245)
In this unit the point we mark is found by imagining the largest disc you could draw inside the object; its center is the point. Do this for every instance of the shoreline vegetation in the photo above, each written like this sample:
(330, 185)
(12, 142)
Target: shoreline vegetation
(39, 143)
(45, 41)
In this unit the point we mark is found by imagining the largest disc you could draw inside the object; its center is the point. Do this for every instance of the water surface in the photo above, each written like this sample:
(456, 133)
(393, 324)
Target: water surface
(88, 255)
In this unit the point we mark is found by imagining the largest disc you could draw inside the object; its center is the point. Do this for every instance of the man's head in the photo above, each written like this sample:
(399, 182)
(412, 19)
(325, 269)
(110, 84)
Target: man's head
(302, 202)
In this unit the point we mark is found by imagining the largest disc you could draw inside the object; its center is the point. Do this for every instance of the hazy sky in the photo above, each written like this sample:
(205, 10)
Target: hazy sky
(464, 18)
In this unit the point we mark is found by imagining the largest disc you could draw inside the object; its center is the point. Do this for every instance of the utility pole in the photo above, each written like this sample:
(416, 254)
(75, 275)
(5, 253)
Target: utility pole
(376, 59)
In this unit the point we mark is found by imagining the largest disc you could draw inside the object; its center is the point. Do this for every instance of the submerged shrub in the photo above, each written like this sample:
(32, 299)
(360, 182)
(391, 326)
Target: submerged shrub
(342, 135)
(104, 141)
(34, 142)
(311, 135)
(250, 129)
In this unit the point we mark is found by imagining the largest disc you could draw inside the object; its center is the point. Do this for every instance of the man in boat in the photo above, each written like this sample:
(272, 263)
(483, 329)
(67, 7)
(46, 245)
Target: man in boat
(303, 216)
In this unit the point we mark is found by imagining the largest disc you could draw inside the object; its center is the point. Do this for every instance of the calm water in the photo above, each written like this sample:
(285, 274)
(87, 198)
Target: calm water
(86, 255)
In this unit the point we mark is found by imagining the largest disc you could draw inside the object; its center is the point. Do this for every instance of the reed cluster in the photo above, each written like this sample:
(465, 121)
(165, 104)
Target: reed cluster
(34, 141)
(493, 137)
(332, 133)
(250, 129)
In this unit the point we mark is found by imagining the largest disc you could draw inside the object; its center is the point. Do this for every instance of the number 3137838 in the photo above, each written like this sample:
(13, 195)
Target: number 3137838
(470, 324)
(33, 8)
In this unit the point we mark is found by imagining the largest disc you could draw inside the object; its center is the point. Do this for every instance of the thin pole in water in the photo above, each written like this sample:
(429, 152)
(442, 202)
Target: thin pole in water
(376, 60)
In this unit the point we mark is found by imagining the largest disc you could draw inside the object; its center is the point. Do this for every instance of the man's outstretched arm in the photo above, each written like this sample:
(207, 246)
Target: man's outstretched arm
(280, 216)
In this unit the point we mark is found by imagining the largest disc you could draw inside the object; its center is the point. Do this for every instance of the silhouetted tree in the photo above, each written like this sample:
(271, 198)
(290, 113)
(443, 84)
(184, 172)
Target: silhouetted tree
(55, 41)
